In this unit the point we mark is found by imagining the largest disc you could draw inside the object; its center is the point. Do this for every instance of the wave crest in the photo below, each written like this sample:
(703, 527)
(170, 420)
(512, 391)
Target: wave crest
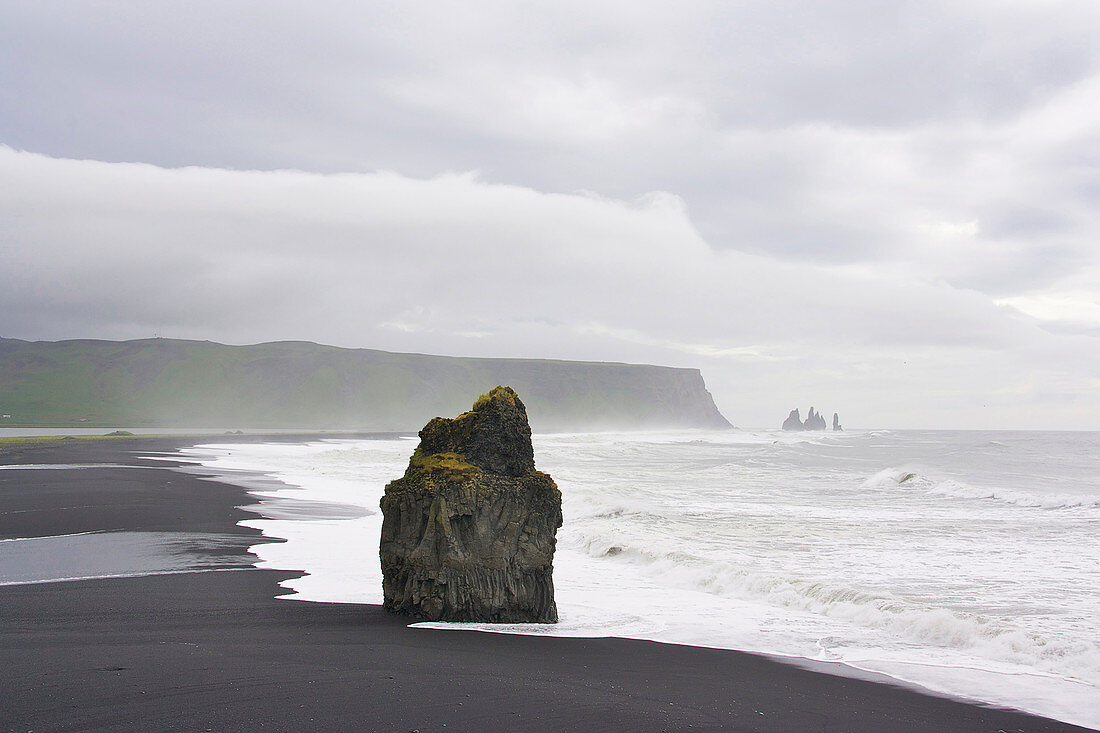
(902, 477)
(863, 607)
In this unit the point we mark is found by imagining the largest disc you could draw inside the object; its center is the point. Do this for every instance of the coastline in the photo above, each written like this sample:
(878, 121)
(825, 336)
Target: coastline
(201, 649)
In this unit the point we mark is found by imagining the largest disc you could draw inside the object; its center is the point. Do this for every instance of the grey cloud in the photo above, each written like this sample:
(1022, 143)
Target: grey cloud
(457, 265)
(771, 120)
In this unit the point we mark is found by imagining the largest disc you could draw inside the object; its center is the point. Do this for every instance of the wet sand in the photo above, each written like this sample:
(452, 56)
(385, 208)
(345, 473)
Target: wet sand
(214, 649)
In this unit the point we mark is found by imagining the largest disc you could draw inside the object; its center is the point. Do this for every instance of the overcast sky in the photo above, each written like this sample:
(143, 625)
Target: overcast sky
(890, 210)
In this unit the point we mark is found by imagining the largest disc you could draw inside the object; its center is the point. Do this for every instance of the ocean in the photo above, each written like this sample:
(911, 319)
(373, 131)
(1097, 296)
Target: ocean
(964, 562)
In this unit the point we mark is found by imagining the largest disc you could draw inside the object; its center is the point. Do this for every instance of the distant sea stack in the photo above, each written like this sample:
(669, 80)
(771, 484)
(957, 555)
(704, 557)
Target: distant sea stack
(297, 384)
(793, 421)
(469, 532)
(814, 421)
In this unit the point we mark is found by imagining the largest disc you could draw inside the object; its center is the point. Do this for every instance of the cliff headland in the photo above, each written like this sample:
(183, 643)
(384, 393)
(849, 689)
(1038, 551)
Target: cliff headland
(294, 384)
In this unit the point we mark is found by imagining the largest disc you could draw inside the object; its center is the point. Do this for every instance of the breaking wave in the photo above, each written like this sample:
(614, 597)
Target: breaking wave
(883, 611)
(777, 543)
(895, 477)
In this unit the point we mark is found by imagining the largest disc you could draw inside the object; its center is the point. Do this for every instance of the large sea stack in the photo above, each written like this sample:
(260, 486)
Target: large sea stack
(468, 533)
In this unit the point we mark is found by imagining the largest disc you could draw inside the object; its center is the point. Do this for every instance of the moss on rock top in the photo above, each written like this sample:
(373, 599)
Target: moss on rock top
(494, 435)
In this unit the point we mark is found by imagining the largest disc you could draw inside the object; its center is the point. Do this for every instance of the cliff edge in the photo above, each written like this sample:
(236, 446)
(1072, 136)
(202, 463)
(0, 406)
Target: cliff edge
(304, 385)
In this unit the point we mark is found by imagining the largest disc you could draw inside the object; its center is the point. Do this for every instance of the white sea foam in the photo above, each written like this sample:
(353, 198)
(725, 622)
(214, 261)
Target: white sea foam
(889, 477)
(793, 544)
(1038, 501)
(893, 477)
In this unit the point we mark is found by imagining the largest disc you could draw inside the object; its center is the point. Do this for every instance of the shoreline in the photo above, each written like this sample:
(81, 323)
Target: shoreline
(197, 648)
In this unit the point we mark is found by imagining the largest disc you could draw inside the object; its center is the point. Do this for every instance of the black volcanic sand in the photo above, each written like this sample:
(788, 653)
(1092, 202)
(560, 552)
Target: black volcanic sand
(216, 650)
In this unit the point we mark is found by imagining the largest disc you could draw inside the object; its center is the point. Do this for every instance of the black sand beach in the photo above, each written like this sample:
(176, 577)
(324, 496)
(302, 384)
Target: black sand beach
(214, 649)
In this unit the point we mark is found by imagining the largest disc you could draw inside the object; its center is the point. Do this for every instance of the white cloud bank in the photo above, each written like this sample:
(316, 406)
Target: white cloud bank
(956, 140)
(454, 265)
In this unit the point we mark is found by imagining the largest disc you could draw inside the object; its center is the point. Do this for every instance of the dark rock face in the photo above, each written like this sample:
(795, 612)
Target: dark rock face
(469, 532)
(793, 421)
(836, 421)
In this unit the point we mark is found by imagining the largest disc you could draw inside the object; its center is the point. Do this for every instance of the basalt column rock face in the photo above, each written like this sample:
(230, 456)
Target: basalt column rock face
(468, 533)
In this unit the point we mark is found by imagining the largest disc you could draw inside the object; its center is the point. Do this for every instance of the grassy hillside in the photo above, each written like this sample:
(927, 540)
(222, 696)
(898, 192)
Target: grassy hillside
(169, 382)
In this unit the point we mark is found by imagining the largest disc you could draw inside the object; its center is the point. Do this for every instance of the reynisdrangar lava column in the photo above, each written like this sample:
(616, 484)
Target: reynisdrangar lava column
(468, 533)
